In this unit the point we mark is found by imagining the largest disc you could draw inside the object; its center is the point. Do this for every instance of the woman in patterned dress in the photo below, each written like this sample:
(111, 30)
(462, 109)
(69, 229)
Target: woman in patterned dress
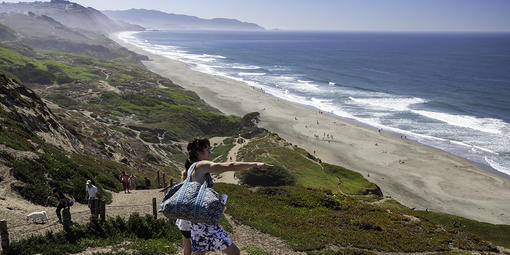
(206, 237)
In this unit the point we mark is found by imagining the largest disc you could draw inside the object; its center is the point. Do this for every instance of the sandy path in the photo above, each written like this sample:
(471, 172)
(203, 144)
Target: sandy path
(229, 177)
(14, 209)
(416, 175)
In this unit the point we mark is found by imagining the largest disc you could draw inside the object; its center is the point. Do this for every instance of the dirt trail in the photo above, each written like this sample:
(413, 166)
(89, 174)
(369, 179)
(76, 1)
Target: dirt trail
(228, 177)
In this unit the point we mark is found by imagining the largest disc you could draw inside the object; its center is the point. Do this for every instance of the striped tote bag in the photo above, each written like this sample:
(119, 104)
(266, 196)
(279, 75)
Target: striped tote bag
(192, 201)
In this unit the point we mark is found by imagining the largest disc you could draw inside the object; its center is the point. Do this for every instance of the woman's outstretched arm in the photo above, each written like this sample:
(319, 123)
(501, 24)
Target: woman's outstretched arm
(217, 168)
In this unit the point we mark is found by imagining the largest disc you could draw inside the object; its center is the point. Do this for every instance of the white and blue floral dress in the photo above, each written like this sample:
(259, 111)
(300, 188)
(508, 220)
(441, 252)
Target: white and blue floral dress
(206, 237)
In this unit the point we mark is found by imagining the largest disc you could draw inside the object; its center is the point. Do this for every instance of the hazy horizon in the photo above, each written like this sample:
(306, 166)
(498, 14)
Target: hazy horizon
(340, 15)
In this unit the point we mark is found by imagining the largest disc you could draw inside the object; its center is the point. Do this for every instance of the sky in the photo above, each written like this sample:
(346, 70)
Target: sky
(343, 15)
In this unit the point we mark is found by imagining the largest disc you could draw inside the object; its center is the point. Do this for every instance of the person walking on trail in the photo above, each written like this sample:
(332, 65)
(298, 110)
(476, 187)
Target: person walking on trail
(90, 193)
(205, 237)
(124, 178)
(64, 202)
(147, 182)
(132, 182)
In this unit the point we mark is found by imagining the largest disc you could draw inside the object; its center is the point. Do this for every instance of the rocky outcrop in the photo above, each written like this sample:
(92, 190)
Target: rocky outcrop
(24, 106)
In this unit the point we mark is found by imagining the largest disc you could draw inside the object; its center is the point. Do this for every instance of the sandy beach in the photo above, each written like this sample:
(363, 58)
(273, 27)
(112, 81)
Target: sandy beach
(418, 176)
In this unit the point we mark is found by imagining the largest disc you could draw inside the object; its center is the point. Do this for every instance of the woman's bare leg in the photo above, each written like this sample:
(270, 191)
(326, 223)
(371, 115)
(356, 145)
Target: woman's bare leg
(232, 250)
(186, 246)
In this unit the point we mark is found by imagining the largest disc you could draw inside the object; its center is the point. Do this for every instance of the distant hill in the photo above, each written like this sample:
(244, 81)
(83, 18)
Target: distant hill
(43, 32)
(161, 20)
(70, 14)
(41, 27)
(6, 33)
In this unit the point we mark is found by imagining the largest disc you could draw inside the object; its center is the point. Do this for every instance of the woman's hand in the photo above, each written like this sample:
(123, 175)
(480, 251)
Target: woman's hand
(263, 166)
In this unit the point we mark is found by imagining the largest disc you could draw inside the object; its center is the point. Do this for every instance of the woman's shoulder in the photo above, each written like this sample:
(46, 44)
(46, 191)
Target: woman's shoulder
(203, 166)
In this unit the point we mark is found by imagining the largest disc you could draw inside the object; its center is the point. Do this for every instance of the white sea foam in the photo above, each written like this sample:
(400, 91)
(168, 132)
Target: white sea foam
(498, 166)
(301, 86)
(251, 74)
(331, 83)
(214, 56)
(284, 78)
(398, 104)
(487, 125)
(243, 67)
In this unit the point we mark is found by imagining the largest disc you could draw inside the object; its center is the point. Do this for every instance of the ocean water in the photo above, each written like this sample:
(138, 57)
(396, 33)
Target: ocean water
(446, 90)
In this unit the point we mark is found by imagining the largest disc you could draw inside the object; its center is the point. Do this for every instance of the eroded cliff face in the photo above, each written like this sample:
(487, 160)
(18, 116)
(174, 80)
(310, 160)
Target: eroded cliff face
(23, 105)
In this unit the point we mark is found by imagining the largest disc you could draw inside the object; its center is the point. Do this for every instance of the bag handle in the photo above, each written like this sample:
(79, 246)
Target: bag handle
(190, 171)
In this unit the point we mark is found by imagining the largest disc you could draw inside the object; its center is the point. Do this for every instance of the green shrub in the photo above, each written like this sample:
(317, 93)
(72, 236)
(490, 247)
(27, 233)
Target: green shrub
(62, 100)
(66, 172)
(152, 247)
(274, 176)
(98, 233)
(151, 137)
(151, 158)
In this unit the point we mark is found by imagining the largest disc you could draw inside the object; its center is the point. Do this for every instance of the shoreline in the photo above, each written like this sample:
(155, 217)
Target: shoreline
(415, 174)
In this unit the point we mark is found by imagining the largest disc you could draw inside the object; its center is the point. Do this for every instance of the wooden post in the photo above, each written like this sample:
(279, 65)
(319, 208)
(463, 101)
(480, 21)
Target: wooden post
(5, 236)
(103, 209)
(159, 184)
(164, 179)
(66, 213)
(95, 208)
(154, 211)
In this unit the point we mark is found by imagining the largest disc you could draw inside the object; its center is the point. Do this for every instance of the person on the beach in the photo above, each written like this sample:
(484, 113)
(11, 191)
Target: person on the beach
(206, 237)
(124, 178)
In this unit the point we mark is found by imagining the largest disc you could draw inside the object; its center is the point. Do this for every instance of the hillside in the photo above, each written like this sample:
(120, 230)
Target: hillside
(154, 19)
(71, 14)
(6, 33)
(45, 33)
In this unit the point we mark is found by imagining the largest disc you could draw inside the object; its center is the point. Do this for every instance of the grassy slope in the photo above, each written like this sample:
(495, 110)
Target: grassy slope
(166, 114)
(310, 220)
(33, 70)
(219, 153)
(498, 234)
(53, 167)
(310, 172)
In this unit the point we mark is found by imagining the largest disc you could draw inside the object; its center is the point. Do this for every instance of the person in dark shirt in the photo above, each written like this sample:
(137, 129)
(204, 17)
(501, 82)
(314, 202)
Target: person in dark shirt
(124, 178)
(63, 202)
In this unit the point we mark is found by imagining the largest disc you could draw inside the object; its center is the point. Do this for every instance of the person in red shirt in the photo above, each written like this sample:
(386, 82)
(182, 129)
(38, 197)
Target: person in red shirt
(124, 178)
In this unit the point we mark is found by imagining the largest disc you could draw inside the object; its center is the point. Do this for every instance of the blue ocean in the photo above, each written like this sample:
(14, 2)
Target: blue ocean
(446, 90)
